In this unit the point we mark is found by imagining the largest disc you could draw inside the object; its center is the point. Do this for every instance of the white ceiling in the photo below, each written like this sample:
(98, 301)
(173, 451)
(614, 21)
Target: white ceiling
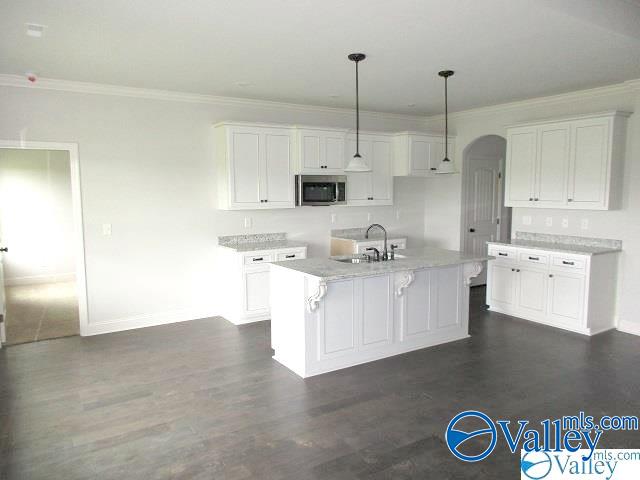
(295, 50)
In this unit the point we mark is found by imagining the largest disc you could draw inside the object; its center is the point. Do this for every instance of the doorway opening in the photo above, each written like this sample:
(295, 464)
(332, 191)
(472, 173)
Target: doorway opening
(484, 217)
(42, 275)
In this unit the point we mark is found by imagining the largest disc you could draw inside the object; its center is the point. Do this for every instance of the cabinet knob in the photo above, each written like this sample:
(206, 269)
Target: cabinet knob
(550, 276)
(536, 199)
(472, 230)
(531, 199)
(569, 199)
(517, 270)
(4, 249)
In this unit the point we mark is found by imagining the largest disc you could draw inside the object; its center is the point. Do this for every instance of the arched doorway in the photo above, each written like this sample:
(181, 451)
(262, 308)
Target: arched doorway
(484, 217)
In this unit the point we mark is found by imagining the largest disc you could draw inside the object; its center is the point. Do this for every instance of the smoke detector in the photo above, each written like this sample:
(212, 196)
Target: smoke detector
(35, 30)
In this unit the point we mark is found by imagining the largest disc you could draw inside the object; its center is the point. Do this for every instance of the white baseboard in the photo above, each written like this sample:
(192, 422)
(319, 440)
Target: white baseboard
(39, 279)
(628, 327)
(147, 320)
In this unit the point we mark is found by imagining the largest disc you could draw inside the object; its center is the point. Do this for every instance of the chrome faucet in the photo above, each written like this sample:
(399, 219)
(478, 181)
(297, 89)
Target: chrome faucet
(385, 253)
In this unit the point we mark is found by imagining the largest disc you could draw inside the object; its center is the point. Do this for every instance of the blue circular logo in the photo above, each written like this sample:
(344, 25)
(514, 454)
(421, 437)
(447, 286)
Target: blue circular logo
(535, 465)
(457, 437)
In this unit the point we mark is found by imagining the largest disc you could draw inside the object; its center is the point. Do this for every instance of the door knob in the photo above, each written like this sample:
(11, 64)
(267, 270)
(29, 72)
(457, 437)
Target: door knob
(4, 249)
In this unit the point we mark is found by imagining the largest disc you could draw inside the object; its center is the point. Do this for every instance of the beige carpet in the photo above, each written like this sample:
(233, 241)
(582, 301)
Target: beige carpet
(41, 312)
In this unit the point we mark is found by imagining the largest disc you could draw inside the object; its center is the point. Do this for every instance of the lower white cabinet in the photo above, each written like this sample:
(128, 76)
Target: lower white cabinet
(570, 291)
(244, 288)
(319, 326)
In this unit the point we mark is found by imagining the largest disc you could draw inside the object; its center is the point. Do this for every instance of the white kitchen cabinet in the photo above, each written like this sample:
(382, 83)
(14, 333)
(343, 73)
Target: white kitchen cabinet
(320, 151)
(419, 154)
(244, 287)
(375, 187)
(575, 163)
(501, 290)
(254, 166)
(569, 291)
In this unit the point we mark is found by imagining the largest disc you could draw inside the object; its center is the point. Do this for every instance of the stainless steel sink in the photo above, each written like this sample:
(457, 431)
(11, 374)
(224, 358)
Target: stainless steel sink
(352, 260)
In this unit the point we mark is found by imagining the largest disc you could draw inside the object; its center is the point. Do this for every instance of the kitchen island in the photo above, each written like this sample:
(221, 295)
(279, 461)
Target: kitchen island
(328, 314)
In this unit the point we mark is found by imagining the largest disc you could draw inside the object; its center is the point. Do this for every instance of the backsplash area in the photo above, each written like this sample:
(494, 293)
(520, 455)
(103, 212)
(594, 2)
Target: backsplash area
(568, 240)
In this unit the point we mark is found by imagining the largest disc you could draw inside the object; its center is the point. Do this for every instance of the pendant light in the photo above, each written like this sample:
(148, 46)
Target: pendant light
(356, 164)
(446, 165)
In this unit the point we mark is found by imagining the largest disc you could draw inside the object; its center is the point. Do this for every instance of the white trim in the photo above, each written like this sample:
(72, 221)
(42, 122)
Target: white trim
(628, 327)
(40, 279)
(19, 81)
(78, 226)
(147, 320)
(580, 95)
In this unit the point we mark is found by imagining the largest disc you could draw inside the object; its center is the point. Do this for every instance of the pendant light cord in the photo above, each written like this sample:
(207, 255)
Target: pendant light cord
(446, 120)
(357, 114)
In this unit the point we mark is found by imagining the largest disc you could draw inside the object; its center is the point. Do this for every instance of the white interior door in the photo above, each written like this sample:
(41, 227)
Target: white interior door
(483, 207)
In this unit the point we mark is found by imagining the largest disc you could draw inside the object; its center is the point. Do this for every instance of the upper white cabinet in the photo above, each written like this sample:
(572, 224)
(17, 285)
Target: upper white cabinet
(254, 166)
(418, 155)
(320, 151)
(575, 163)
(375, 187)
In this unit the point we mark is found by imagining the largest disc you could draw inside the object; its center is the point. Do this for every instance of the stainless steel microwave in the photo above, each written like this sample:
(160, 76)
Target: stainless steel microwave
(321, 189)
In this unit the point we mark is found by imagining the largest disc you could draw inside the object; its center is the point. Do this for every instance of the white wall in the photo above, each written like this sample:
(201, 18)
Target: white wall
(147, 168)
(36, 217)
(442, 225)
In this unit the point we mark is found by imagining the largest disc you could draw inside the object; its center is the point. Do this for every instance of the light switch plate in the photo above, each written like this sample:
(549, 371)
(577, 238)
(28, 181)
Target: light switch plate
(247, 222)
(368, 216)
(526, 219)
(565, 223)
(549, 222)
(334, 217)
(106, 229)
(584, 224)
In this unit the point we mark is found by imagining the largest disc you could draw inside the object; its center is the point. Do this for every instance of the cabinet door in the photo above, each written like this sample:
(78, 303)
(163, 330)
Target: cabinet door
(245, 166)
(277, 172)
(334, 153)
(376, 320)
(256, 291)
(531, 290)
(382, 175)
(566, 299)
(501, 285)
(521, 162)
(589, 163)
(553, 165)
(309, 144)
(419, 155)
(359, 184)
(337, 320)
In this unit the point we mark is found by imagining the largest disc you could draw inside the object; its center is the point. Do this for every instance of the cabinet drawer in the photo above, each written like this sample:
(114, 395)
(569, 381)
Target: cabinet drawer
(569, 263)
(290, 255)
(502, 253)
(535, 258)
(257, 259)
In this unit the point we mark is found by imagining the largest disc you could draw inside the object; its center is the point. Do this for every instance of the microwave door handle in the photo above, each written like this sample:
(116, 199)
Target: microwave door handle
(335, 197)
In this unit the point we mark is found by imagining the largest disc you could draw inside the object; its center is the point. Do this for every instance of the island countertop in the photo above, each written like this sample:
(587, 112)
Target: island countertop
(328, 269)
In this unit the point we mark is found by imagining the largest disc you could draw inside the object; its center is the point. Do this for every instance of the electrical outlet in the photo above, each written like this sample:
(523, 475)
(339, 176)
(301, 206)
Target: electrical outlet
(584, 224)
(106, 229)
(565, 223)
(247, 222)
(368, 216)
(334, 218)
(398, 214)
(526, 219)
(549, 222)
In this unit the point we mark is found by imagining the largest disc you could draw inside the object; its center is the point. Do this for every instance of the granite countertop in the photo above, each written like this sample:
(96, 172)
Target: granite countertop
(559, 247)
(358, 234)
(268, 245)
(259, 241)
(415, 258)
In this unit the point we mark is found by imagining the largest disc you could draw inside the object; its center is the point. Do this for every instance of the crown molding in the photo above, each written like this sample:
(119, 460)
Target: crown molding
(628, 86)
(7, 80)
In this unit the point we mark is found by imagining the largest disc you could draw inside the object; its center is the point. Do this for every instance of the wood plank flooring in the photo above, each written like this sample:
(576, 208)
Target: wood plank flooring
(204, 400)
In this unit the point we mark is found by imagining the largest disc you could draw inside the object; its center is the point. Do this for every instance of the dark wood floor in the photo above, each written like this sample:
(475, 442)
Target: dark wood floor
(204, 399)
